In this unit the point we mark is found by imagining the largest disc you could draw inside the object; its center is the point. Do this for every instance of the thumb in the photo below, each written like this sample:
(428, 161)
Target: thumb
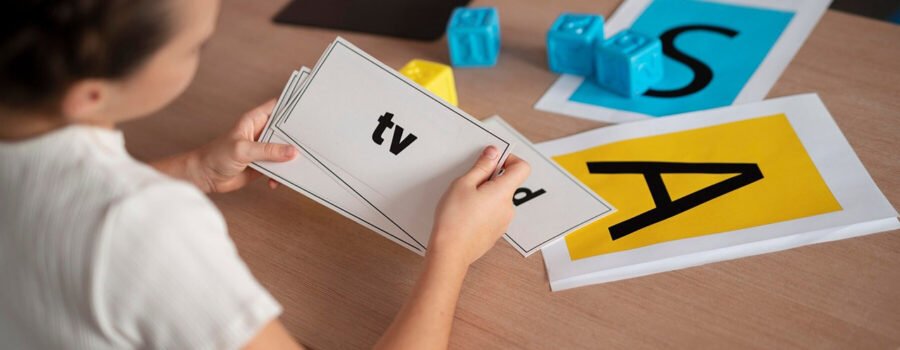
(484, 167)
(269, 152)
(515, 172)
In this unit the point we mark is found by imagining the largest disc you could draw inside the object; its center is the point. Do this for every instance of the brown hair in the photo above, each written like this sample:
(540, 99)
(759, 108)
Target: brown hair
(46, 45)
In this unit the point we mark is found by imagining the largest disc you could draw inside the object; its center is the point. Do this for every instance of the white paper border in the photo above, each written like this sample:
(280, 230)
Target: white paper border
(827, 147)
(522, 140)
(806, 15)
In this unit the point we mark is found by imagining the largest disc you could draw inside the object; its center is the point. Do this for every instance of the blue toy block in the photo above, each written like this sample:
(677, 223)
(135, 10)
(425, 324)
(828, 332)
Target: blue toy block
(628, 63)
(895, 17)
(473, 35)
(570, 43)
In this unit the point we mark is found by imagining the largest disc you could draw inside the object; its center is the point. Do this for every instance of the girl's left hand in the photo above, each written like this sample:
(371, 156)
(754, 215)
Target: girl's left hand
(222, 165)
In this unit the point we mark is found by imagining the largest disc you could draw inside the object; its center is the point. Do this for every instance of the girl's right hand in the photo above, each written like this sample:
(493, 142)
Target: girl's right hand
(475, 211)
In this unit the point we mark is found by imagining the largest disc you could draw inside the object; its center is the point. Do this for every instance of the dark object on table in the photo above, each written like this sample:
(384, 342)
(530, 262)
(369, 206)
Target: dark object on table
(877, 9)
(411, 19)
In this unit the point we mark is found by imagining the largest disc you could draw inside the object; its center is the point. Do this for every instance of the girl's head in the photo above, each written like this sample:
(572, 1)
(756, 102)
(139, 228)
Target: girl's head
(98, 61)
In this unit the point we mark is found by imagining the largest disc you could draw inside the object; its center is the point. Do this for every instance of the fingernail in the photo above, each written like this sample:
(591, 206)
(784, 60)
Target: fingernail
(491, 152)
(288, 151)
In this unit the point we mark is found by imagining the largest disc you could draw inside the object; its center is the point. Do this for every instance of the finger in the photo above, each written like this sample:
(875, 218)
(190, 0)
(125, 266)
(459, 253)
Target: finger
(269, 106)
(515, 172)
(258, 116)
(250, 151)
(238, 181)
(484, 167)
(273, 184)
(265, 110)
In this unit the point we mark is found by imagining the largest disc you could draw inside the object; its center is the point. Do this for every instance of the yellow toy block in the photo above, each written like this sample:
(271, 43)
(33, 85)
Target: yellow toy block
(433, 76)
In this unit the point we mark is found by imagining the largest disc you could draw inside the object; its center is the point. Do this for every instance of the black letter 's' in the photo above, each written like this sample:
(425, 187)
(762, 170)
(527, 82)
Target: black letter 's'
(702, 74)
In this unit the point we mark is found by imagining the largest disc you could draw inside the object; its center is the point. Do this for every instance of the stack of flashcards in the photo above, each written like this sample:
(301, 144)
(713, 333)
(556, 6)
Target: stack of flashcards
(381, 150)
(551, 203)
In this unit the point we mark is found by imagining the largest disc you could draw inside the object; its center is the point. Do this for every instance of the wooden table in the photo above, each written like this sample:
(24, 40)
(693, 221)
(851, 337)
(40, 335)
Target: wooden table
(341, 284)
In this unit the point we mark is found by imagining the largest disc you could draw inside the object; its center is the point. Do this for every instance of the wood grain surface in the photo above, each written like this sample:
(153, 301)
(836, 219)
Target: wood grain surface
(341, 284)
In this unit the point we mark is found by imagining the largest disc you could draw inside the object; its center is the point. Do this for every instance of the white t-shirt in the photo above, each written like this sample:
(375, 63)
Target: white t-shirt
(99, 251)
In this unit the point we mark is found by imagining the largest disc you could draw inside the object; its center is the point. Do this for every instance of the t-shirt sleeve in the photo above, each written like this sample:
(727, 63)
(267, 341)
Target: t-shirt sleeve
(168, 275)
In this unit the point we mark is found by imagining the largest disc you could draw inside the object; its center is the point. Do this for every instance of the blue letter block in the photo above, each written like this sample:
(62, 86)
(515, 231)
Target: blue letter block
(473, 35)
(570, 43)
(628, 63)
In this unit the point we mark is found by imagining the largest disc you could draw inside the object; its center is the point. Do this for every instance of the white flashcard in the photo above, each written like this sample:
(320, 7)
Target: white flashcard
(304, 175)
(551, 203)
(280, 103)
(395, 144)
(711, 186)
(716, 53)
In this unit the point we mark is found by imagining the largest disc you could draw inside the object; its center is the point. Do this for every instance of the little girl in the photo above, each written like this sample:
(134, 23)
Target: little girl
(101, 251)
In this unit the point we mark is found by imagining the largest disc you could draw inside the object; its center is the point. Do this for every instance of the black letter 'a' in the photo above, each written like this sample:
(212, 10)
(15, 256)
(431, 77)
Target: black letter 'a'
(702, 74)
(747, 173)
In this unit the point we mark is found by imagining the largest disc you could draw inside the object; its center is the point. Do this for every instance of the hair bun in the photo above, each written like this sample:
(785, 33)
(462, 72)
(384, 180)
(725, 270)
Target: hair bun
(47, 45)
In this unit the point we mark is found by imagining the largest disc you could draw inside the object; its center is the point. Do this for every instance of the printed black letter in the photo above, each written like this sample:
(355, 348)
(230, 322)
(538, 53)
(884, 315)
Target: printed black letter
(397, 145)
(529, 195)
(384, 122)
(747, 173)
(702, 74)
